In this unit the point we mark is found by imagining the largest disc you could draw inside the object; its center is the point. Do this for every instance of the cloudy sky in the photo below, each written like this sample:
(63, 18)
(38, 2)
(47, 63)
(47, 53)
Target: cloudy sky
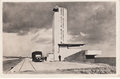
(28, 26)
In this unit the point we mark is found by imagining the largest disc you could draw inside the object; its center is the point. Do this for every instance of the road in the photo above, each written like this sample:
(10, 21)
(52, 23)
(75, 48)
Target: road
(28, 66)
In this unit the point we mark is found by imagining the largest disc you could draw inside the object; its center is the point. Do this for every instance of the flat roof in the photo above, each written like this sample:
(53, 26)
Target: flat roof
(70, 45)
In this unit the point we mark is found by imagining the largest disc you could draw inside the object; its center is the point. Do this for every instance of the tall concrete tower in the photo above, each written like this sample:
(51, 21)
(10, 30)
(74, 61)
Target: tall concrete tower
(59, 29)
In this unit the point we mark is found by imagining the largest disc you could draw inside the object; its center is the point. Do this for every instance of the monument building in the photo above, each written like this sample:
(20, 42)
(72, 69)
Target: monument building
(61, 48)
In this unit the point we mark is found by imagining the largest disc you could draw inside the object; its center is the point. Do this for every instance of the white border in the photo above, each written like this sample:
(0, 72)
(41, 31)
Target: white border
(118, 37)
(66, 75)
(56, 0)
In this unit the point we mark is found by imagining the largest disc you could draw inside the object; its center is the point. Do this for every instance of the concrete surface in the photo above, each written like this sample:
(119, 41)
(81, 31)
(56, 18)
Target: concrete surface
(28, 66)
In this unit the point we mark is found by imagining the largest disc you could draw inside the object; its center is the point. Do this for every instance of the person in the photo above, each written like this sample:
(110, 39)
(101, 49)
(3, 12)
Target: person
(45, 58)
(59, 57)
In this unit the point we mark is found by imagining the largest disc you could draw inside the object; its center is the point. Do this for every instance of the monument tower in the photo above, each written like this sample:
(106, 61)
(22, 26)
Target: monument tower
(59, 29)
(60, 45)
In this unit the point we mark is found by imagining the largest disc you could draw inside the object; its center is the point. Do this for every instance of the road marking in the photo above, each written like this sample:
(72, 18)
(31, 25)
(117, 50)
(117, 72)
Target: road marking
(33, 66)
(22, 64)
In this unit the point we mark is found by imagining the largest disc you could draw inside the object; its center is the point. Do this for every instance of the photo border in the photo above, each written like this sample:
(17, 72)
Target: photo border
(63, 75)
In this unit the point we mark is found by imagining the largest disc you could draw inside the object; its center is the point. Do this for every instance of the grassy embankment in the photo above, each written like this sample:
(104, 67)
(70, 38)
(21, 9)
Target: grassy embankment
(9, 64)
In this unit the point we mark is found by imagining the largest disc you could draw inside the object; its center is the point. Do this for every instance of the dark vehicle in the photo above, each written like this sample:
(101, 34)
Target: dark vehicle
(37, 56)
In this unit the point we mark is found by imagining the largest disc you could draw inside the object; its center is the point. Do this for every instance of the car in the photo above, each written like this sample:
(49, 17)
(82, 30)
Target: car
(37, 56)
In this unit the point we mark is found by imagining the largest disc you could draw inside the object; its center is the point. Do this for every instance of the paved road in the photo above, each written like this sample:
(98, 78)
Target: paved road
(28, 66)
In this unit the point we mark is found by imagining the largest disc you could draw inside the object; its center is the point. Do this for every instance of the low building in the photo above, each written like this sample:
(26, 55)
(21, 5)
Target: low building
(50, 57)
(83, 56)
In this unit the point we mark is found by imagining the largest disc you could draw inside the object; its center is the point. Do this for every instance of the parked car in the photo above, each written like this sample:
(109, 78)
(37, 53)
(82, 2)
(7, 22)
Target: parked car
(37, 56)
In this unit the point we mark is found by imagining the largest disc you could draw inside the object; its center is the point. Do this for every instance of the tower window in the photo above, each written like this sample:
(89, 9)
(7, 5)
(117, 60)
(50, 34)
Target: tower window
(55, 9)
(61, 11)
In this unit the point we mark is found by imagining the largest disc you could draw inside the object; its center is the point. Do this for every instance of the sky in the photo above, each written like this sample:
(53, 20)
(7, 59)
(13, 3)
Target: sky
(27, 26)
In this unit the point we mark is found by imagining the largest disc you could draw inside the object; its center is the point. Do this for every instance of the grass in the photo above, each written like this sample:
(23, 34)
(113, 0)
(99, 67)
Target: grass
(97, 70)
(9, 64)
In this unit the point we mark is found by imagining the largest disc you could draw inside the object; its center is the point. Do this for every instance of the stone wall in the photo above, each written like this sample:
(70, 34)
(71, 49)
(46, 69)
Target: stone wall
(79, 57)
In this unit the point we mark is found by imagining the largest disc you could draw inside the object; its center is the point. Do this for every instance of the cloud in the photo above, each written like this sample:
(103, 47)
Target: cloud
(42, 36)
(16, 45)
(24, 17)
(83, 34)
(94, 19)
(92, 23)
(27, 16)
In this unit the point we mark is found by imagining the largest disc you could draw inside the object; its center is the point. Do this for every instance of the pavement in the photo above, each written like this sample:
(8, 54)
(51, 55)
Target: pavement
(28, 66)
(6, 59)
